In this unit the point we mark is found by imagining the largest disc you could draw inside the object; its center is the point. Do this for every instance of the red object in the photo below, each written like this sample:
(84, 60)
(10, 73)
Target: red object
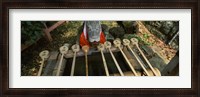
(102, 38)
(84, 41)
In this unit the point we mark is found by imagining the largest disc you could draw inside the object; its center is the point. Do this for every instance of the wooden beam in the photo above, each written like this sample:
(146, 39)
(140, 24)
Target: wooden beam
(48, 30)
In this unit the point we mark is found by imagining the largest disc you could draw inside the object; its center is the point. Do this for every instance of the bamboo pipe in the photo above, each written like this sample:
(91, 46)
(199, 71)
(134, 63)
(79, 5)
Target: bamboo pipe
(85, 49)
(75, 48)
(108, 46)
(174, 37)
(63, 50)
(135, 42)
(101, 48)
(117, 43)
(43, 55)
(126, 42)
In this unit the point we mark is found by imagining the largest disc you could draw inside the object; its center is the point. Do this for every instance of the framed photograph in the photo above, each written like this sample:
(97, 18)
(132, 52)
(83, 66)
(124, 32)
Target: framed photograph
(98, 48)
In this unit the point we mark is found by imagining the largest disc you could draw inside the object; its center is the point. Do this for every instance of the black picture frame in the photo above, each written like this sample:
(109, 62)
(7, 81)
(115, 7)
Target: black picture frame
(99, 4)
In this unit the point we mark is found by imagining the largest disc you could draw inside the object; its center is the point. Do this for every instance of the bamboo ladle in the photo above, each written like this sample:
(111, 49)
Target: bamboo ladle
(126, 42)
(75, 49)
(85, 49)
(117, 44)
(43, 55)
(135, 42)
(107, 45)
(101, 48)
(63, 50)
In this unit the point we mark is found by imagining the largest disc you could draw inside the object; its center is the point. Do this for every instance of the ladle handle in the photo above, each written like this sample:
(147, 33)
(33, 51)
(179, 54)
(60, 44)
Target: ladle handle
(116, 63)
(147, 60)
(41, 66)
(141, 64)
(60, 64)
(105, 65)
(133, 70)
(73, 65)
(86, 64)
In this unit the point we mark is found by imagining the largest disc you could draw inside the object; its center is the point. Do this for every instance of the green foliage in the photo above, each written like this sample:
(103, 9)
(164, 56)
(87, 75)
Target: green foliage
(146, 36)
(31, 31)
